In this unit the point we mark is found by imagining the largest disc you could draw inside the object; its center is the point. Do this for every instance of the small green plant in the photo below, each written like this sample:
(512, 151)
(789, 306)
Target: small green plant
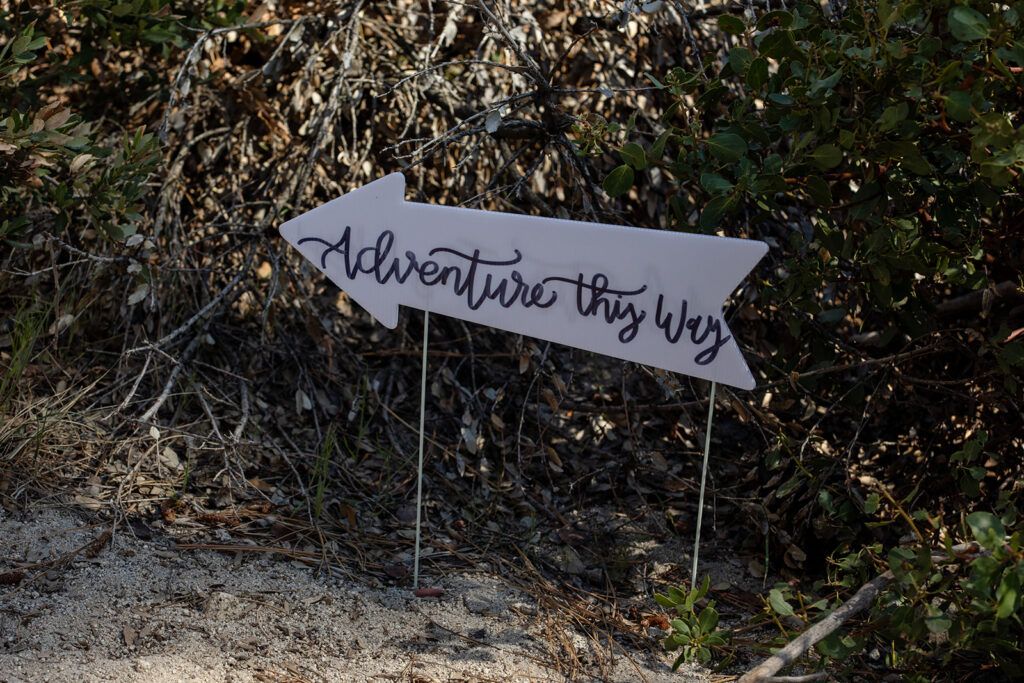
(969, 464)
(695, 632)
(320, 470)
(29, 323)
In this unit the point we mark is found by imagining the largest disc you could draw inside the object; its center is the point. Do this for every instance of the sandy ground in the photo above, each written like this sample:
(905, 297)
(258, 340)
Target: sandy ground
(141, 609)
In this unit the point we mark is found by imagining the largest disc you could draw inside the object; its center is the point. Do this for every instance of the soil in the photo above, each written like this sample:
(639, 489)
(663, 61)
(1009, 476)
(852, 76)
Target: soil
(79, 605)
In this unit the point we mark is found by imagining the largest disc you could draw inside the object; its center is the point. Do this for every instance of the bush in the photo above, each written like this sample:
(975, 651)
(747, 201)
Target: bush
(61, 163)
(880, 154)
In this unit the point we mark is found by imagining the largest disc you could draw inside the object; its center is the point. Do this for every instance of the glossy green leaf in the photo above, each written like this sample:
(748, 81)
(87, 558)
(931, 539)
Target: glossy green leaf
(739, 59)
(757, 73)
(633, 154)
(779, 603)
(731, 25)
(779, 45)
(967, 24)
(707, 620)
(618, 181)
(713, 212)
(714, 183)
(769, 183)
(938, 623)
(824, 84)
(681, 627)
(892, 116)
(818, 190)
(987, 529)
(958, 106)
(775, 18)
(727, 146)
(826, 157)
(909, 157)
(658, 148)
(1008, 597)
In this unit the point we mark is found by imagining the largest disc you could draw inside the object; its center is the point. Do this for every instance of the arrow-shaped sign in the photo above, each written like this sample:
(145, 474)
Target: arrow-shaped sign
(649, 296)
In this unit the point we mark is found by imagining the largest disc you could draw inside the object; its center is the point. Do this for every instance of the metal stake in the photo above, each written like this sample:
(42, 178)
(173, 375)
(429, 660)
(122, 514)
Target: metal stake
(419, 467)
(703, 478)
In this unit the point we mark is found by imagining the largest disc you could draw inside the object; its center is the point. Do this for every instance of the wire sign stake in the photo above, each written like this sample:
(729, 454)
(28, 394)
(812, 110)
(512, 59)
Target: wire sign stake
(419, 462)
(649, 296)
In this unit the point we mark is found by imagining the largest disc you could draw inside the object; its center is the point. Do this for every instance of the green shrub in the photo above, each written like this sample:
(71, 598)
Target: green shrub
(880, 154)
(59, 165)
(894, 131)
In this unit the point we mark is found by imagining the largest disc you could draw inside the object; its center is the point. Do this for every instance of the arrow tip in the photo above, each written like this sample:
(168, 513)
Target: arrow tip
(313, 233)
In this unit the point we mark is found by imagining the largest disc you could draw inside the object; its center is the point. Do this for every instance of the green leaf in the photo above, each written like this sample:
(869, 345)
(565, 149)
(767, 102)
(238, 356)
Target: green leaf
(757, 73)
(826, 157)
(818, 190)
(958, 106)
(664, 601)
(707, 620)
(658, 148)
(714, 183)
(777, 17)
(769, 184)
(1008, 595)
(832, 646)
(779, 45)
(779, 604)
(682, 628)
(892, 116)
(1013, 54)
(871, 504)
(732, 25)
(713, 212)
(701, 590)
(633, 154)
(739, 59)
(727, 147)
(977, 473)
(987, 529)
(824, 84)
(658, 84)
(717, 638)
(938, 623)
(909, 157)
(967, 24)
(618, 181)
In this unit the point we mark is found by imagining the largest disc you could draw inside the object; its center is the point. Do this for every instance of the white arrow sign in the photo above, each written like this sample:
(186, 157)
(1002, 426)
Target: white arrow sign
(649, 296)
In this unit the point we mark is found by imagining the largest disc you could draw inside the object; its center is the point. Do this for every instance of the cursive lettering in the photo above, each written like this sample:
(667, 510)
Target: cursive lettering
(478, 280)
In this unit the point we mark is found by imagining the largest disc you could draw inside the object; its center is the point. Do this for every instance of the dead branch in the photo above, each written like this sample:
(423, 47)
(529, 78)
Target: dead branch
(865, 595)
(765, 671)
(980, 300)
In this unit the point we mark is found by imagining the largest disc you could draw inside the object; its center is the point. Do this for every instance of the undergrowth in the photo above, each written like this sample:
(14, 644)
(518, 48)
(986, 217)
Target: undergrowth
(149, 150)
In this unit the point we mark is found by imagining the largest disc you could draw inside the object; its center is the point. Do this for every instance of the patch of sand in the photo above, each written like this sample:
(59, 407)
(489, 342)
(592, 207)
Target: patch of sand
(145, 610)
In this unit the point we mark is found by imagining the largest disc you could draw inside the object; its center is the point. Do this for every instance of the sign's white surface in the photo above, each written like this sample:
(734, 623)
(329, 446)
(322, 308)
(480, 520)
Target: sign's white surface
(648, 296)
